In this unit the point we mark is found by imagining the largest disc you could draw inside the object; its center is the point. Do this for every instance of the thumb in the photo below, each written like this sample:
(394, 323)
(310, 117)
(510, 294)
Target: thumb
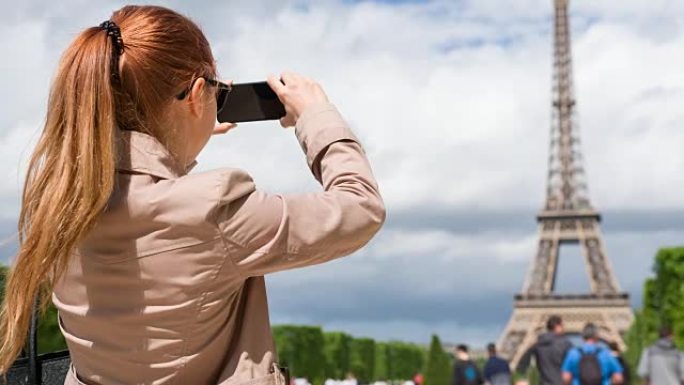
(222, 128)
(287, 121)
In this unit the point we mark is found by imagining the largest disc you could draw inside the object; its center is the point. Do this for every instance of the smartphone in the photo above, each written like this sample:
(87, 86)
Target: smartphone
(251, 102)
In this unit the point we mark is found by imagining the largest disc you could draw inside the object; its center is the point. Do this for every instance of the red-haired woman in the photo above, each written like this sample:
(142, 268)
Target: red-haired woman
(157, 273)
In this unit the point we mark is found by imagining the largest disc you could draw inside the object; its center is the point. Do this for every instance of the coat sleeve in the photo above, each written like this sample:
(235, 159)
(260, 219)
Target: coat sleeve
(264, 232)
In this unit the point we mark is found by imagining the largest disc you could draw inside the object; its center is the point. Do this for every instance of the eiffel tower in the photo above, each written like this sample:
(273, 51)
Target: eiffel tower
(567, 218)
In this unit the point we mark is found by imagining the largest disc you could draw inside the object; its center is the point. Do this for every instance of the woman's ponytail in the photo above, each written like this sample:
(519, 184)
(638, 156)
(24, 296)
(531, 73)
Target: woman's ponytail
(69, 180)
(120, 75)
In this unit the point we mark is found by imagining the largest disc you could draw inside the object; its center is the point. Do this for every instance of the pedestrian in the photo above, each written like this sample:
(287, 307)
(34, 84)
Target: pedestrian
(662, 363)
(626, 372)
(418, 379)
(465, 369)
(496, 369)
(590, 364)
(548, 352)
(158, 273)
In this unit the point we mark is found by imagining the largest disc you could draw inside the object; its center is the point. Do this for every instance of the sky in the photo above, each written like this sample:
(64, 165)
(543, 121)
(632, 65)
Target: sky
(451, 100)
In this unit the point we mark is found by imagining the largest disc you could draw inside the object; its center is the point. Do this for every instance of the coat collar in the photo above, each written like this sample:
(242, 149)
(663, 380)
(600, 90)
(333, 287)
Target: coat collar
(143, 153)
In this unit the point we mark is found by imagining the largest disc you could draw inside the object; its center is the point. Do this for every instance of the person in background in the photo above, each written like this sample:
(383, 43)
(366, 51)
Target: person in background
(465, 370)
(591, 364)
(615, 350)
(496, 369)
(662, 363)
(548, 352)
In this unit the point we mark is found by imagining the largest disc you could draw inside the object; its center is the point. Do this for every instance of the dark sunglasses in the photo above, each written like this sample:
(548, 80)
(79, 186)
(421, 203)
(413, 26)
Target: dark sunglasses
(222, 91)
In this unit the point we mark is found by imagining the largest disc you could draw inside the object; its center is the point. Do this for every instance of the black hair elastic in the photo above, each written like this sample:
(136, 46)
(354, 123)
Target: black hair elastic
(114, 32)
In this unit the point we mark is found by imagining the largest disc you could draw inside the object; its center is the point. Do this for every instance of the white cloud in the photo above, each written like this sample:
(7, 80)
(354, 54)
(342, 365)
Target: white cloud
(451, 248)
(15, 150)
(465, 127)
(25, 74)
(469, 127)
(452, 102)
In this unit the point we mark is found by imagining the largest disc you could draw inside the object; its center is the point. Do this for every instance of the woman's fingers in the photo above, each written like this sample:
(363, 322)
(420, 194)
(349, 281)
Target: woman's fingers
(289, 77)
(279, 88)
(275, 84)
(297, 93)
(222, 128)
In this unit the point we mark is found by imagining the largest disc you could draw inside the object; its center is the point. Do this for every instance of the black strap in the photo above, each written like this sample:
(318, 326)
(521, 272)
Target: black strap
(34, 372)
(582, 352)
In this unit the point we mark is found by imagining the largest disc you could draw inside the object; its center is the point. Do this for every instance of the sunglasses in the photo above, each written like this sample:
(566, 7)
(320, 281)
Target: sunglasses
(222, 91)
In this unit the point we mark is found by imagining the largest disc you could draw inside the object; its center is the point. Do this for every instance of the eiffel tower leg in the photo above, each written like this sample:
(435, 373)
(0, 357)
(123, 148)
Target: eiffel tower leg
(542, 275)
(598, 266)
(520, 334)
(612, 316)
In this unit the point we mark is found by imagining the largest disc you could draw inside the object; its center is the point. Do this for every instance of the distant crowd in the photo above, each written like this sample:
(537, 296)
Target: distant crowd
(560, 363)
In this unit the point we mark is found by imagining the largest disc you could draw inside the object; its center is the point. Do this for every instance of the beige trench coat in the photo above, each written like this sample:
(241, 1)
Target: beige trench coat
(168, 288)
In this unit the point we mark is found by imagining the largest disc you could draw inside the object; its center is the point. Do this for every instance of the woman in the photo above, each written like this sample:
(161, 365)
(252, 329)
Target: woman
(158, 274)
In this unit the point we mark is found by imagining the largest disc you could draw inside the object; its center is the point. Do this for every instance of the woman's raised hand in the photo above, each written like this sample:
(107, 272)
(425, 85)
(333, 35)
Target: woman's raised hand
(296, 92)
(222, 128)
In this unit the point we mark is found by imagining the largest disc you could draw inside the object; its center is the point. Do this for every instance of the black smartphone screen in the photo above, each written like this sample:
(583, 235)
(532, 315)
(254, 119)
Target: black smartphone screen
(250, 102)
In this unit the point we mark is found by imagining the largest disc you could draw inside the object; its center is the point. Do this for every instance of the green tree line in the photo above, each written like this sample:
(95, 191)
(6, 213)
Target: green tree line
(663, 304)
(312, 353)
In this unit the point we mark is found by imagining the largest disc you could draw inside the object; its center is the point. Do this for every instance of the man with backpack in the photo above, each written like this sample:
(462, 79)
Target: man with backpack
(591, 364)
(465, 370)
(662, 363)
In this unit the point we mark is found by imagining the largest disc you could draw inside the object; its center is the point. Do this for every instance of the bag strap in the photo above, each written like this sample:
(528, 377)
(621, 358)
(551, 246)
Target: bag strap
(582, 352)
(34, 372)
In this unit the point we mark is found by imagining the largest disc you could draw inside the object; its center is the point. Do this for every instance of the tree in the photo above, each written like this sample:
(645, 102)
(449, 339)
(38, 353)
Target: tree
(636, 340)
(3, 273)
(50, 338)
(337, 351)
(437, 370)
(663, 304)
(300, 348)
(664, 294)
(380, 371)
(363, 359)
(404, 360)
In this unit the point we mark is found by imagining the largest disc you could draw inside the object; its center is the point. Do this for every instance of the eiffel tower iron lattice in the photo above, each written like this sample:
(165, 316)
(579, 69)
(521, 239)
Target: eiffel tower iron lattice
(567, 217)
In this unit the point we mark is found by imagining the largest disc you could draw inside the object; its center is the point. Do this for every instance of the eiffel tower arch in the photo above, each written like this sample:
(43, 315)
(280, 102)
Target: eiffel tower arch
(567, 217)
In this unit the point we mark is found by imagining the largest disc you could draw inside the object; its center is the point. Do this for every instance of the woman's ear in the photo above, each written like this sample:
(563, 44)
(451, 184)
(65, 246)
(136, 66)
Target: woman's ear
(195, 97)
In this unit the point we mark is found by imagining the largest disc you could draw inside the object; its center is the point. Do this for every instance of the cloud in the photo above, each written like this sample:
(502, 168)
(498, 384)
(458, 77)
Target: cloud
(451, 99)
(467, 287)
(472, 128)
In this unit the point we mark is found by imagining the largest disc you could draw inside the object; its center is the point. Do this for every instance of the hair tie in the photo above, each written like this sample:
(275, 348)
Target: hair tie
(114, 32)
